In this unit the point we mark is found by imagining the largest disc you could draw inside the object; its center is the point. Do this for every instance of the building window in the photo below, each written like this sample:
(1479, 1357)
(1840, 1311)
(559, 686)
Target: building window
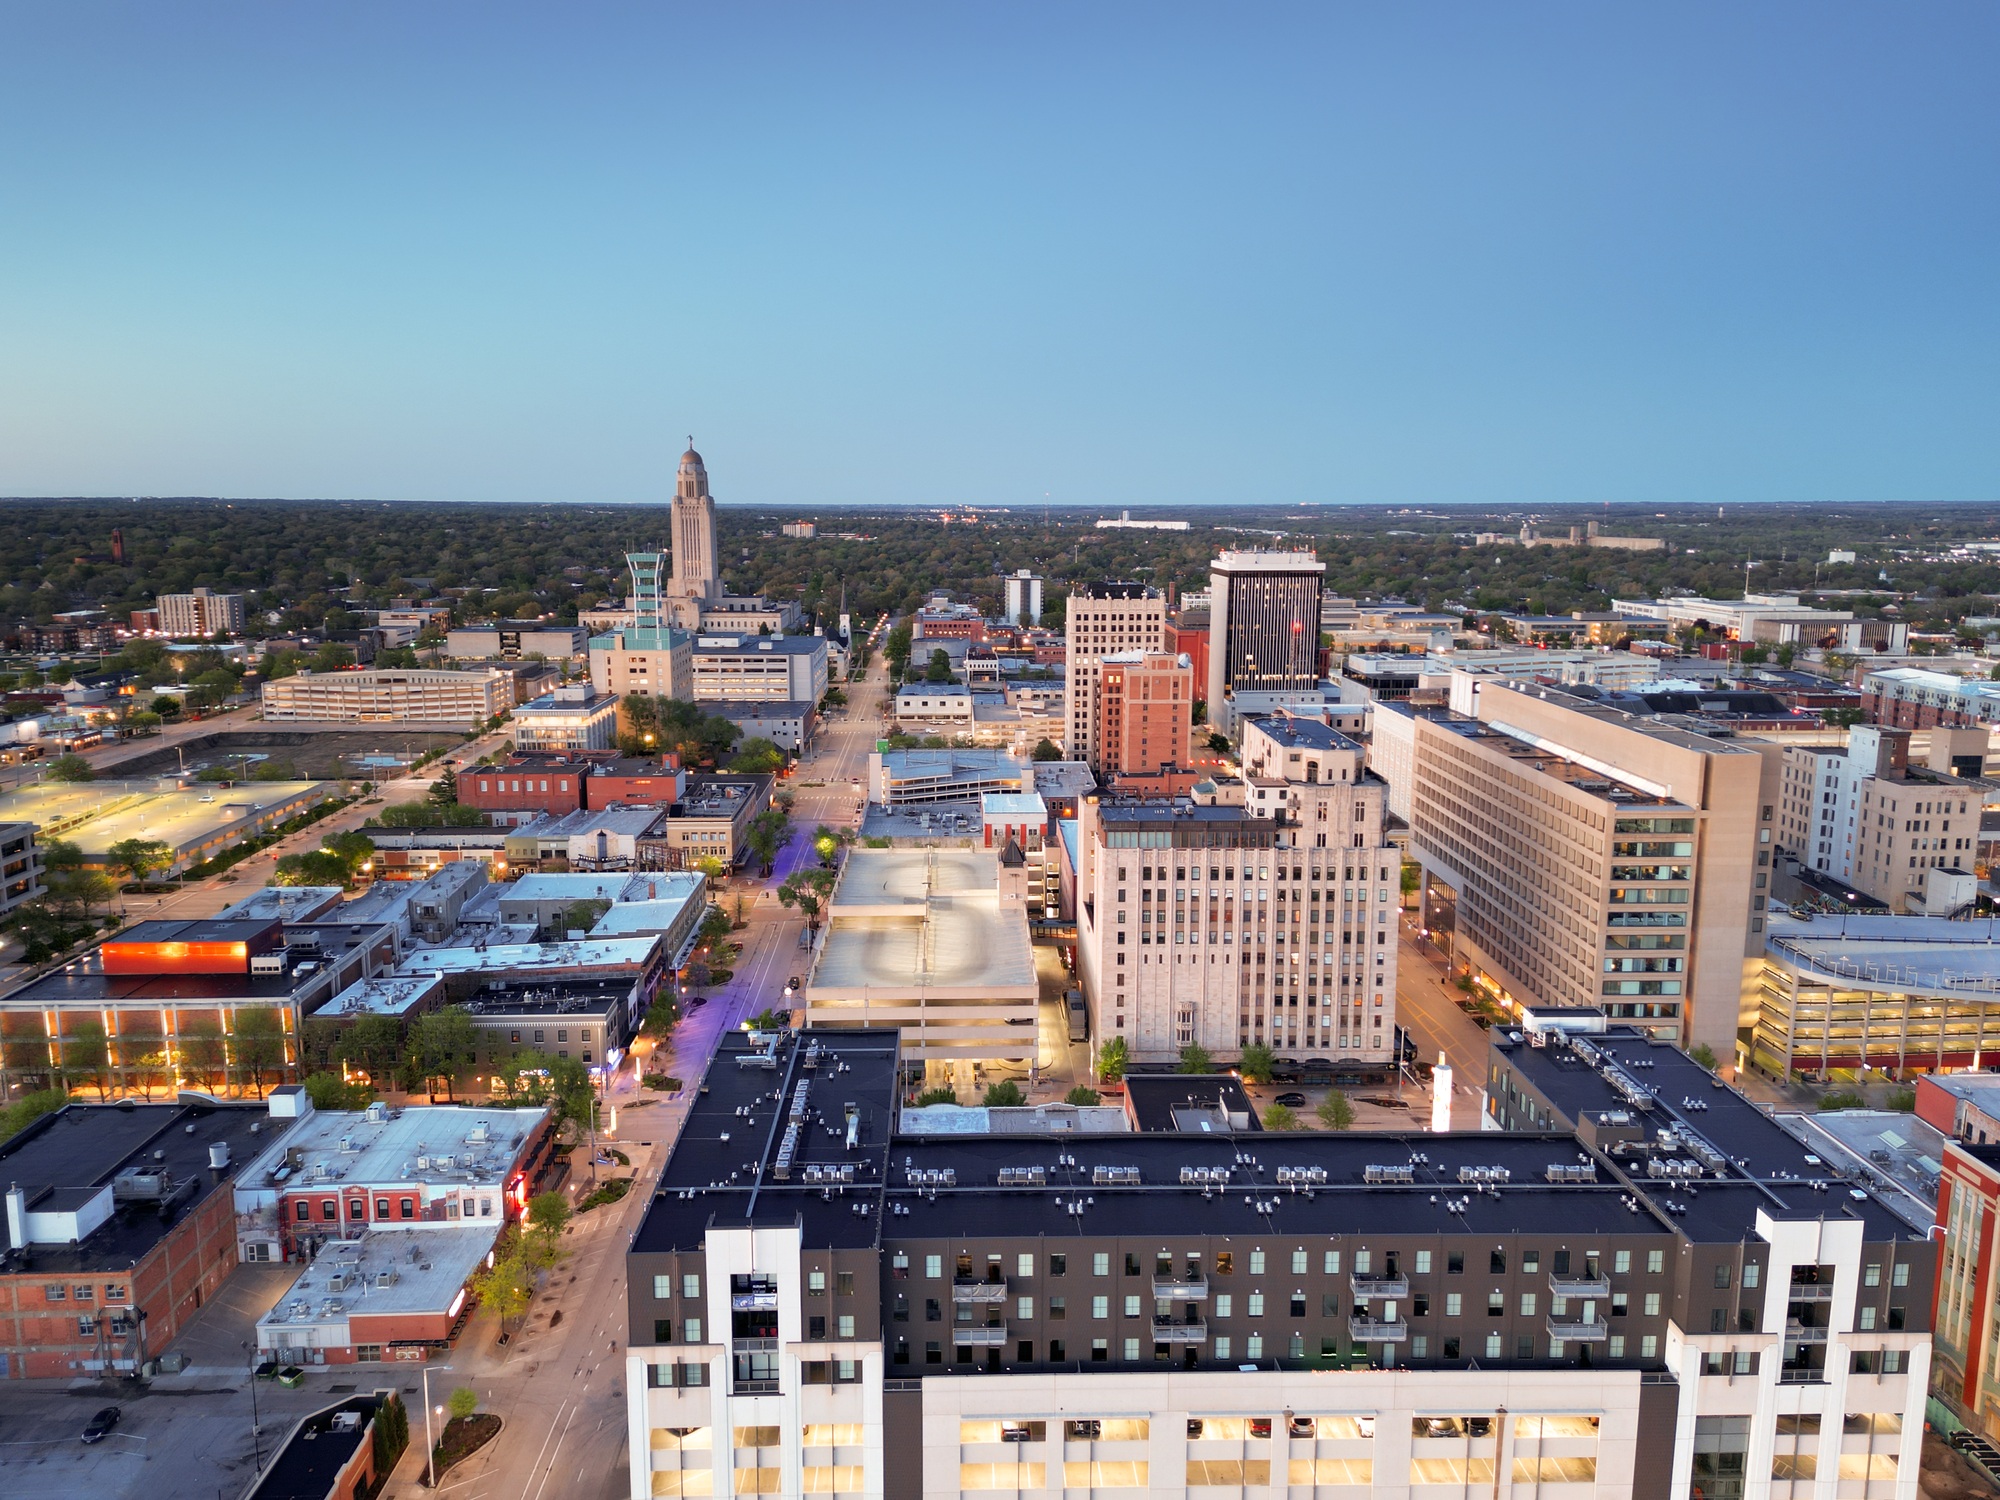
(690, 1284)
(409, 1208)
(55, 1294)
(933, 1266)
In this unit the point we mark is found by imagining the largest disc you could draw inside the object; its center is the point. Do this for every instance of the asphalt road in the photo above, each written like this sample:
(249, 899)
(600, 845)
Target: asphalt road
(1427, 1005)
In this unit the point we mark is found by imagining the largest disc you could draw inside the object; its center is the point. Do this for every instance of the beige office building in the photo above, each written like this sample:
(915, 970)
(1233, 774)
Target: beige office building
(1578, 855)
(389, 697)
(200, 614)
(1104, 619)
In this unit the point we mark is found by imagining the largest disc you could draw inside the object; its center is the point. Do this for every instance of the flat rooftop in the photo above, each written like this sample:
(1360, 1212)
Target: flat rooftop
(311, 1460)
(1303, 734)
(922, 918)
(285, 903)
(922, 820)
(605, 887)
(460, 1146)
(94, 815)
(1898, 1156)
(1931, 955)
(385, 1273)
(532, 958)
(388, 995)
(1033, 1119)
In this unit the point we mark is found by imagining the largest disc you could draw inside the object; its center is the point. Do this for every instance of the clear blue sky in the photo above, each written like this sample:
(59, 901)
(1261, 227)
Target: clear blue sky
(1498, 253)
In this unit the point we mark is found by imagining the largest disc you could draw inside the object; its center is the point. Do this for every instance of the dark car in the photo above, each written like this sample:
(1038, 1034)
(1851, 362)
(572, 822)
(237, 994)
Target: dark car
(793, 983)
(100, 1425)
(1292, 1101)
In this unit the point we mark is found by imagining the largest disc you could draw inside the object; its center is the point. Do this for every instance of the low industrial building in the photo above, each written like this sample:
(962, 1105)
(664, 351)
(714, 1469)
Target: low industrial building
(525, 787)
(195, 821)
(934, 942)
(900, 778)
(512, 989)
(934, 703)
(635, 781)
(377, 1296)
(573, 718)
(1190, 1313)
(398, 696)
(119, 1225)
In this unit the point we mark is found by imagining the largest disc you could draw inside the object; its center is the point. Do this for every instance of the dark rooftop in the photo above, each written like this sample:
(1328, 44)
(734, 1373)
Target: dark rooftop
(309, 1463)
(1197, 1103)
(85, 1146)
(1304, 734)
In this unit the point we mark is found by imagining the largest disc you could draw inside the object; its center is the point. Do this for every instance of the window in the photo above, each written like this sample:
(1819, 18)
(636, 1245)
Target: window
(1750, 1276)
(84, 1292)
(1493, 1346)
(1497, 1263)
(690, 1284)
(1100, 1263)
(1058, 1265)
(1454, 1263)
(1621, 1261)
(691, 1330)
(1224, 1304)
(1722, 1277)
(1901, 1275)
(663, 1288)
(381, 1208)
(1132, 1307)
(1256, 1262)
(1253, 1346)
(1363, 1263)
(1131, 1351)
(843, 1284)
(407, 1207)
(1100, 1307)
(1527, 1304)
(1496, 1303)
(1656, 1262)
(1058, 1309)
(55, 1294)
(1255, 1305)
(844, 1326)
(1299, 1262)
(1649, 1346)
(1616, 1346)
(815, 1281)
(1871, 1275)
(1024, 1265)
(1024, 1309)
(1331, 1263)
(1652, 1304)
(114, 1293)
(1423, 1263)
(302, 1210)
(933, 1266)
(1452, 1303)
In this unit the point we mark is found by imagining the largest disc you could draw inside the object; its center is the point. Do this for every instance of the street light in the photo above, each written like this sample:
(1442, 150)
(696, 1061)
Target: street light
(430, 1442)
(256, 1425)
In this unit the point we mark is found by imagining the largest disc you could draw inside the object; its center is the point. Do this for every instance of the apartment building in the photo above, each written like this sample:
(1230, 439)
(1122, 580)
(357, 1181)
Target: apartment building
(574, 717)
(1145, 716)
(1024, 597)
(1263, 631)
(524, 787)
(1102, 619)
(195, 616)
(400, 696)
(20, 866)
(1271, 923)
(1578, 855)
(655, 660)
(1216, 1310)
(1917, 698)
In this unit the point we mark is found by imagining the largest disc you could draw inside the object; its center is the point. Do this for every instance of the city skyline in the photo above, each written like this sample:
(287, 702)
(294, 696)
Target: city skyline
(1547, 257)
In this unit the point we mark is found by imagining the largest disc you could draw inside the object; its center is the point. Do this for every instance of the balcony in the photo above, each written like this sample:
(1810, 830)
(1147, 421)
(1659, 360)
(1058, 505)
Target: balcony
(1377, 1330)
(1810, 1291)
(983, 1293)
(1580, 1286)
(1576, 1331)
(1186, 1289)
(1369, 1288)
(753, 1346)
(1180, 1331)
(1804, 1333)
(990, 1337)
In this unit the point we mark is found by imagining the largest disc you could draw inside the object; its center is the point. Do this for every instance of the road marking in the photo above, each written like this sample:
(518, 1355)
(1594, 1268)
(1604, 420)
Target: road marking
(575, 1407)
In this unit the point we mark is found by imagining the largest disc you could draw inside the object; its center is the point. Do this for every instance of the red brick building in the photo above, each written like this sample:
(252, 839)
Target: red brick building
(1191, 640)
(1146, 712)
(120, 1224)
(635, 782)
(524, 787)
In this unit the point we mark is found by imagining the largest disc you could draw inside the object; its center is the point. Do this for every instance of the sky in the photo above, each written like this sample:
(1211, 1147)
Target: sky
(1107, 254)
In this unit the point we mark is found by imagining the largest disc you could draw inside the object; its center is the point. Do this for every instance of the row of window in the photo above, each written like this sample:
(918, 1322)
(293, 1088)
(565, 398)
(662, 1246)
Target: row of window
(83, 1291)
(1224, 1264)
(1224, 1348)
(357, 1209)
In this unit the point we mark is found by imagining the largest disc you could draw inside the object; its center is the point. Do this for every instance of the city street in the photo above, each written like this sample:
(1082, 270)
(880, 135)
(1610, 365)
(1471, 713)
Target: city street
(1427, 1006)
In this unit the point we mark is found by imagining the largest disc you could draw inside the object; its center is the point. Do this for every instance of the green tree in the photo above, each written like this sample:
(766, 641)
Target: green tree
(936, 1096)
(828, 842)
(1218, 744)
(1335, 1113)
(507, 1285)
(1195, 1059)
(444, 791)
(204, 1060)
(1256, 1063)
(166, 706)
(896, 650)
(462, 1403)
(29, 1108)
(259, 1048)
(429, 815)
(1082, 1094)
(275, 770)
(1111, 1060)
(581, 916)
(1704, 1054)
(939, 669)
(353, 848)
(86, 1055)
(314, 867)
(769, 832)
(329, 1091)
(548, 1216)
(758, 757)
(139, 858)
(809, 891)
(372, 1045)
(1281, 1117)
(1045, 750)
(69, 768)
(445, 1045)
(142, 1051)
(74, 889)
(1005, 1094)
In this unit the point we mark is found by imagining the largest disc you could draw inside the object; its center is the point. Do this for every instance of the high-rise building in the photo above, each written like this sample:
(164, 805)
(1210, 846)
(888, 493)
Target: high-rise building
(1578, 855)
(1263, 631)
(1270, 923)
(1103, 618)
(697, 577)
(827, 1296)
(1024, 597)
(188, 616)
(1145, 713)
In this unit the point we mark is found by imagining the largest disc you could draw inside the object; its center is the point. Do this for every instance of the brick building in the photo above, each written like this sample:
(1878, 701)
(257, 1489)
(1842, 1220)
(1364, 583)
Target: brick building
(1145, 712)
(635, 781)
(525, 787)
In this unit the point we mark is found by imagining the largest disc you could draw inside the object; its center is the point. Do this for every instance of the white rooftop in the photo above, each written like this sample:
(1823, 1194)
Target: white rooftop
(923, 919)
(605, 887)
(586, 953)
(1929, 955)
(387, 995)
(381, 1273)
(381, 1147)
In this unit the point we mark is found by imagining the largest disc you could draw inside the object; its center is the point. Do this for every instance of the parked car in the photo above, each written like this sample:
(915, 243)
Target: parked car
(100, 1425)
(1292, 1101)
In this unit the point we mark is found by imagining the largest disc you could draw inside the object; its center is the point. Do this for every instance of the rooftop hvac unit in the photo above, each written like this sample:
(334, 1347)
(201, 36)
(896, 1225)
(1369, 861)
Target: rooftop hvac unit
(1381, 1174)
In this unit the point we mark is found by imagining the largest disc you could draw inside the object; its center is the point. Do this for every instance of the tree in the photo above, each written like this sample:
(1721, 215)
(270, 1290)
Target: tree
(936, 1096)
(1218, 744)
(373, 1046)
(896, 650)
(139, 857)
(939, 669)
(1005, 1094)
(203, 1058)
(1843, 718)
(142, 1051)
(29, 1108)
(508, 1284)
(1111, 1059)
(1198, 713)
(354, 848)
(330, 1091)
(260, 1046)
(86, 1055)
(1281, 1117)
(828, 842)
(769, 832)
(1704, 1054)
(166, 705)
(444, 791)
(809, 891)
(1082, 1095)
(1256, 1063)
(1045, 750)
(548, 1215)
(429, 815)
(314, 867)
(1195, 1059)
(70, 767)
(1335, 1113)
(758, 757)
(74, 889)
(445, 1044)
(462, 1403)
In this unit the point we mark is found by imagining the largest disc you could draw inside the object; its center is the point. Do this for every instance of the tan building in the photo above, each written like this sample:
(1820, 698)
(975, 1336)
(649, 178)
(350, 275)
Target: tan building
(1579, 855)
(1145, 712)
(697, 577)
(1104, 619)
(200, 614)
(402, 696)
(643, 659)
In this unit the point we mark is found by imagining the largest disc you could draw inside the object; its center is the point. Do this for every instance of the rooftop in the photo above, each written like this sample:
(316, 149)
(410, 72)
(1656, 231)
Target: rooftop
(1014, 805)
(1200, 1104)
(284, 903)
(1929, 955)
(387, 995)
(532, 958)
(1303, 734)
(382, 1274)
(922, 919)
(1898, 1156)
(439, 1144)
(1037, 1119)
(758, 645)
(605, 887)
(306, 1467)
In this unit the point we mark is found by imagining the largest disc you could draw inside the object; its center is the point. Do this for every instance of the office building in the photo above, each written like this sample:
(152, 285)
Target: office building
(514, 640)
(708, 827)
(20, 866)
(525, 787)
(934, 703)
(1145, 713)
(1967, 1321)
(1916, 698)
(574, 717)
(1578, 855)
(119, 1226)
(644, 653)
(1270, 923)
(1024, 598)
(789, 726)
(196, 616)
(1772, 619)
(802, 531)
(1101, 620)
(1186, 634)
(1263, 631)
(934, 942)
(634, 781)
(1831, 995)
(759, 669)
(396, 696)
(869, 1310)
